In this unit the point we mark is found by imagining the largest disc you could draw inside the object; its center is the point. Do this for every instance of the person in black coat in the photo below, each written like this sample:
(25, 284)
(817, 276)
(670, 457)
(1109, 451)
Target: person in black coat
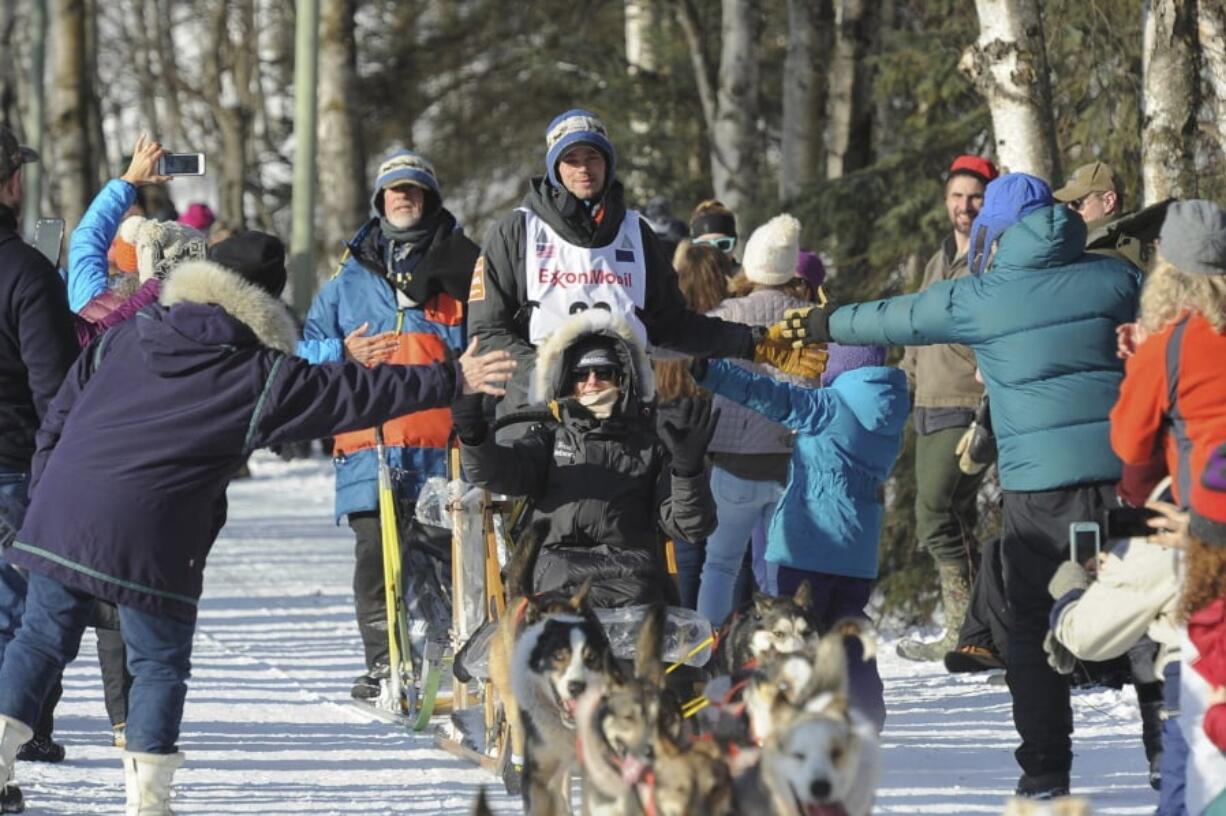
(604, 476)
(155, 417)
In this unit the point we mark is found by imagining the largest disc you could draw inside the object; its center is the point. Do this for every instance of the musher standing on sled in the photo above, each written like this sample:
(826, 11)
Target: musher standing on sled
(158, 414)
(572, 245)
(398, 298)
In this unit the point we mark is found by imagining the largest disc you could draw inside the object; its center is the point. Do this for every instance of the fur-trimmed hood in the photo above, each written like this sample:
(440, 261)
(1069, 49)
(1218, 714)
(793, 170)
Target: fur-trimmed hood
(549, 378)
(207, 282)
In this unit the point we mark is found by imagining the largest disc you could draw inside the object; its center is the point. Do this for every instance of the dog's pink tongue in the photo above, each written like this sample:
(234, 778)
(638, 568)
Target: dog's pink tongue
(633, 769)
(822, 809)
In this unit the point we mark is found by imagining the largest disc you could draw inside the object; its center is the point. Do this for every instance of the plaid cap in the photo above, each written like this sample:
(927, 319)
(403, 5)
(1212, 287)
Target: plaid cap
(13, 154)
(1095, 177)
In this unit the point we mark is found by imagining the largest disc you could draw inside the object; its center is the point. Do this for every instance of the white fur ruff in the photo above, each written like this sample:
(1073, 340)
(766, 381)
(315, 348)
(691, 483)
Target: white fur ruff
(207, 282)
(550, 354)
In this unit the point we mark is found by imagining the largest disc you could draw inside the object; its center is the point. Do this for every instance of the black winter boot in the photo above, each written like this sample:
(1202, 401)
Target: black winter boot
(1151, 732)
(41, 749)
(1042, 787)
(10, 799)
(366, 686)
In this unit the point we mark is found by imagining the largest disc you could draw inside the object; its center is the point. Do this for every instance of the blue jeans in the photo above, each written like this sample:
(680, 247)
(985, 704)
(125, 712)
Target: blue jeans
(13, 503)
(689, 557)
(1174, 763)
(159, 658)
(741, 505)
(836, 597)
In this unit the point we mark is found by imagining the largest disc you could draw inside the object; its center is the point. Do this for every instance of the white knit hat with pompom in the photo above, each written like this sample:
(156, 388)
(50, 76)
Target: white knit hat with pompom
(771, 252)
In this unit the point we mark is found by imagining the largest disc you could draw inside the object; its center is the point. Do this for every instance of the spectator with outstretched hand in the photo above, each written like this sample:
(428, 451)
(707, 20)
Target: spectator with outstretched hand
(1041, 316)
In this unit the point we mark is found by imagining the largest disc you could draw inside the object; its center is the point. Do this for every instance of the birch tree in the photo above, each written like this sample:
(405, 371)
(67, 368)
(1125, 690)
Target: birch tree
(341, 160)
(1008, 64)
(729, 97)
(803, 98)
(1211, 36)
(849, 106)
(1169, 99)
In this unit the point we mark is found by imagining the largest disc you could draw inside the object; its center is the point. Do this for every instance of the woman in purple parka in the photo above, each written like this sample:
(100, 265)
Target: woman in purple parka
(158, 413)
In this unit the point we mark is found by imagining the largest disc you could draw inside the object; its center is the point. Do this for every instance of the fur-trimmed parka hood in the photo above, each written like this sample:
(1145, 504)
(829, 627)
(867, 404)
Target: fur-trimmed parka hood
(205, 282)
(549, 377)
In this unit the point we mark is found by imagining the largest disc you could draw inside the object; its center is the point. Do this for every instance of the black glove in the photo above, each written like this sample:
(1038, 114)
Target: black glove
(468, 416)
(698, 368)
(807, 326)
(686, 427)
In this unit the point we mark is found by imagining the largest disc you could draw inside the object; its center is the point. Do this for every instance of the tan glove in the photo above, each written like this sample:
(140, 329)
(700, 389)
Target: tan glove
(805, 361)
(963, 451)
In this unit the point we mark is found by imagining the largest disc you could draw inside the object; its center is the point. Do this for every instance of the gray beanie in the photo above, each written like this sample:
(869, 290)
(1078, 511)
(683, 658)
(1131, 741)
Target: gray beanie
(1194, 237)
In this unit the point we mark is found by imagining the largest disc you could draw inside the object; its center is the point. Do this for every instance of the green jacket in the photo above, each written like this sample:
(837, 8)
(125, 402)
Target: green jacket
(943, 375)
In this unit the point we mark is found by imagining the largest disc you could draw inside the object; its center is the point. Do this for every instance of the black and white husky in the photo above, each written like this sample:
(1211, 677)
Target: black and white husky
(555, 661)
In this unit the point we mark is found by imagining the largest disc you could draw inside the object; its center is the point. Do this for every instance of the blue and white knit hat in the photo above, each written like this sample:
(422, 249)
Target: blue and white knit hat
(405, 166)
(576, 127)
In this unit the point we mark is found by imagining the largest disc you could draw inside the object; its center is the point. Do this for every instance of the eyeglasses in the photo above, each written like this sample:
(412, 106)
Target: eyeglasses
(725, 243)
(603, 373)
(1079, 204)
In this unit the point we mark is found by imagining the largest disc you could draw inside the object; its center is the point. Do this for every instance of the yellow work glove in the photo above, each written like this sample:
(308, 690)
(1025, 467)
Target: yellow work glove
(796, 359)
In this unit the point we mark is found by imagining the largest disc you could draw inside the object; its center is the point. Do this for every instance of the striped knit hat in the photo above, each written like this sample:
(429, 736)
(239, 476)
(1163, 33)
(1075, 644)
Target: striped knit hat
(406, 167)
(573, 128)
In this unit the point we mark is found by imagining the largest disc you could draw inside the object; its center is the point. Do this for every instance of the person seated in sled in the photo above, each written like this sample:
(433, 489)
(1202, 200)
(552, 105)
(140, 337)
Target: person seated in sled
(608, 472)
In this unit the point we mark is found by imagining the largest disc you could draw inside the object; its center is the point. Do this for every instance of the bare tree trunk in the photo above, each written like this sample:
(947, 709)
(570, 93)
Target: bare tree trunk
(1008, 64)
(1211, 27)
(803, 99)
(99, 168)
(342, 168)
(1169, 100)
(849, 102)
(68, 110)
(169, 72)
(733, 138)
(232, 118)
(640, 59)
(9, 73)
(704, 76)
(142, 43)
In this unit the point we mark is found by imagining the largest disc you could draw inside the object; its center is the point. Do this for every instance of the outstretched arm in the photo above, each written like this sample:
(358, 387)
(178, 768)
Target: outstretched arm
(796, 407)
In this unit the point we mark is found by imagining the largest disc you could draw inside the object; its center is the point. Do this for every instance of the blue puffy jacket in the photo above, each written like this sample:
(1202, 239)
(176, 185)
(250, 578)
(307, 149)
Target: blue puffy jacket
(360, 293)
(88, 274)
(848, 437)
(1042, 325)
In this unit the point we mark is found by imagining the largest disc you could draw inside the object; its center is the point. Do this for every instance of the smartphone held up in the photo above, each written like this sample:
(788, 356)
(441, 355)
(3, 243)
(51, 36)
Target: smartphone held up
(181, 164)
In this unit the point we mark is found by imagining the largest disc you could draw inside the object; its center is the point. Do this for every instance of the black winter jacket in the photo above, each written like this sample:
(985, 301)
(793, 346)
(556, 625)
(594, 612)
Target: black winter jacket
(499, 315)
(605, 489)
(37, 342)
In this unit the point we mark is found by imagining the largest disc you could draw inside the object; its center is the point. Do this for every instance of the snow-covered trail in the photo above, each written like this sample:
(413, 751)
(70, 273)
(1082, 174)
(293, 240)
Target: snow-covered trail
(266, 729)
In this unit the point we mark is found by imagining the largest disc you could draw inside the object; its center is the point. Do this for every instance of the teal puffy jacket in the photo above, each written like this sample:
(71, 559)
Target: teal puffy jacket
(1042, 324)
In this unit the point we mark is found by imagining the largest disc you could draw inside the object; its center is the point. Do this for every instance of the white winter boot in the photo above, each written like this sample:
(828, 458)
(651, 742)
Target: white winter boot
(147, 778)
(13, 735)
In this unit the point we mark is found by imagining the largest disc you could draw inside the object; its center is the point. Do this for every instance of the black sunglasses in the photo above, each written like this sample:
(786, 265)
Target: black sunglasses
(603, 373)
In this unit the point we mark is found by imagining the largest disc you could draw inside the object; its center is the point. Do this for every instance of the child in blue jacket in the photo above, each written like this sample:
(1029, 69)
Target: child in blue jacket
(827, 526)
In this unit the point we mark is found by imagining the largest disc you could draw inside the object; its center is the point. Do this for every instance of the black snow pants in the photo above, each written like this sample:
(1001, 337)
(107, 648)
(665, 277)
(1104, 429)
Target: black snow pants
(1035, 542)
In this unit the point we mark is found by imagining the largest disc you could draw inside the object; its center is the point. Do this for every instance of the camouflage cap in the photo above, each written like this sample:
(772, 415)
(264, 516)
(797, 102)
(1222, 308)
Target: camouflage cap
(1095, 177)
(13, 154)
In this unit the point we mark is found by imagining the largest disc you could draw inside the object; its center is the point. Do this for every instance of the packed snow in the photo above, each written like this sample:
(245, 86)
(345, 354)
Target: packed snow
(268, 730)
